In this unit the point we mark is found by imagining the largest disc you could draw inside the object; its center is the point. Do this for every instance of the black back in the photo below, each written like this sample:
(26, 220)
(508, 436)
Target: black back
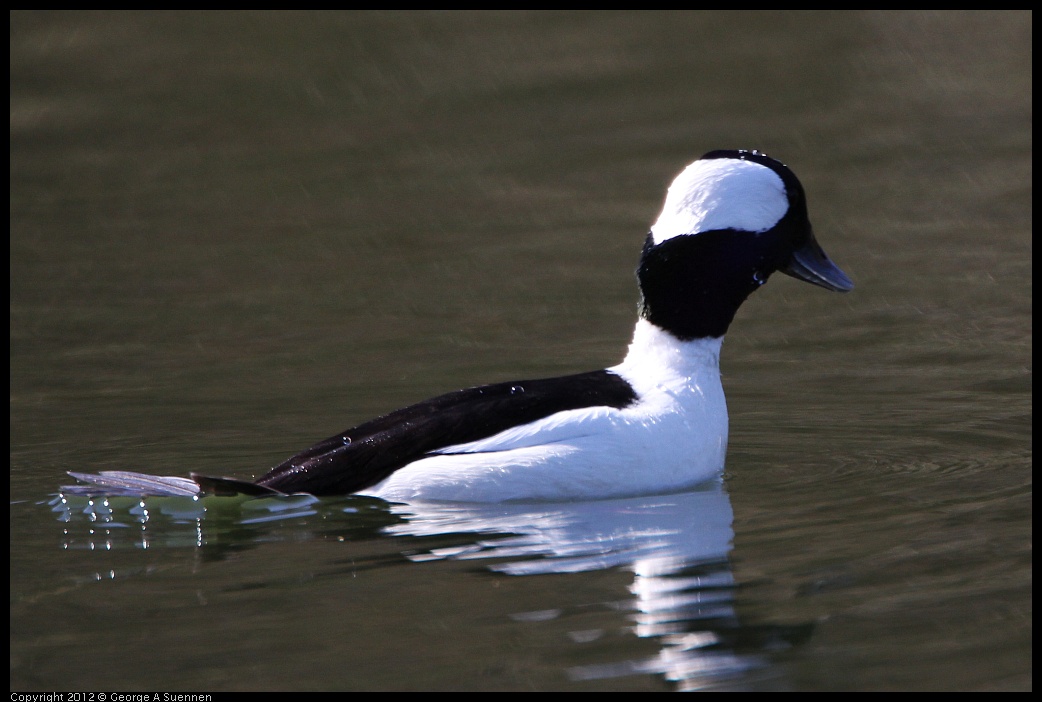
(363, 456)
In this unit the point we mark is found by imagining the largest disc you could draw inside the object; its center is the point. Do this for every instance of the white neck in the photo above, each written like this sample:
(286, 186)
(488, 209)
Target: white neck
(656, 357)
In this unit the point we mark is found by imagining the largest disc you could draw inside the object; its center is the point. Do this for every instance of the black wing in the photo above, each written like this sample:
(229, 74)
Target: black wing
(364, 455)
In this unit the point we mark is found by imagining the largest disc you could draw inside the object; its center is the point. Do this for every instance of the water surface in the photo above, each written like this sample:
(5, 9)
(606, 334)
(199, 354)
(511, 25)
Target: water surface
(235, 234)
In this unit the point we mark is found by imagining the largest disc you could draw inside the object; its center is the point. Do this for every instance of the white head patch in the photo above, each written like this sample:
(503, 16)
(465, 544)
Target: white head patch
(721, 193)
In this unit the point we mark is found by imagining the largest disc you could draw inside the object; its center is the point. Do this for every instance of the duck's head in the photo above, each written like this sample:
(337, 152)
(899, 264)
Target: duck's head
(730, 219)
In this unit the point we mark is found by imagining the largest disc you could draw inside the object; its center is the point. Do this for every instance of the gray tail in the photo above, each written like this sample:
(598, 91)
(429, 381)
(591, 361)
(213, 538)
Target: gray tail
(119, 483)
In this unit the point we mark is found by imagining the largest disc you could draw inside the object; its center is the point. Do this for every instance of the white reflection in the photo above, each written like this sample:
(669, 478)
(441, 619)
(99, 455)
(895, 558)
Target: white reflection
(675, 545)
(643, 533)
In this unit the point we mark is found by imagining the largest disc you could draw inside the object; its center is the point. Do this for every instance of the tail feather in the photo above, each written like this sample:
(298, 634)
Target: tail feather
(119, 483)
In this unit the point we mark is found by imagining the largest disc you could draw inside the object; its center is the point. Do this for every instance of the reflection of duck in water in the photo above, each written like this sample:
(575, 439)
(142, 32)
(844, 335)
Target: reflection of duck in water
(655, 423)
(681, 597)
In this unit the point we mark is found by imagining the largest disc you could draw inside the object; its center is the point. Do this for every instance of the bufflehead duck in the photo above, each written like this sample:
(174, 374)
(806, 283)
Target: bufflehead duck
(655, 423)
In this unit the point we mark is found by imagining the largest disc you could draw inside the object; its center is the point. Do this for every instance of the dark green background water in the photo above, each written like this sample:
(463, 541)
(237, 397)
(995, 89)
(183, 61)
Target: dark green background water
(235, 234)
